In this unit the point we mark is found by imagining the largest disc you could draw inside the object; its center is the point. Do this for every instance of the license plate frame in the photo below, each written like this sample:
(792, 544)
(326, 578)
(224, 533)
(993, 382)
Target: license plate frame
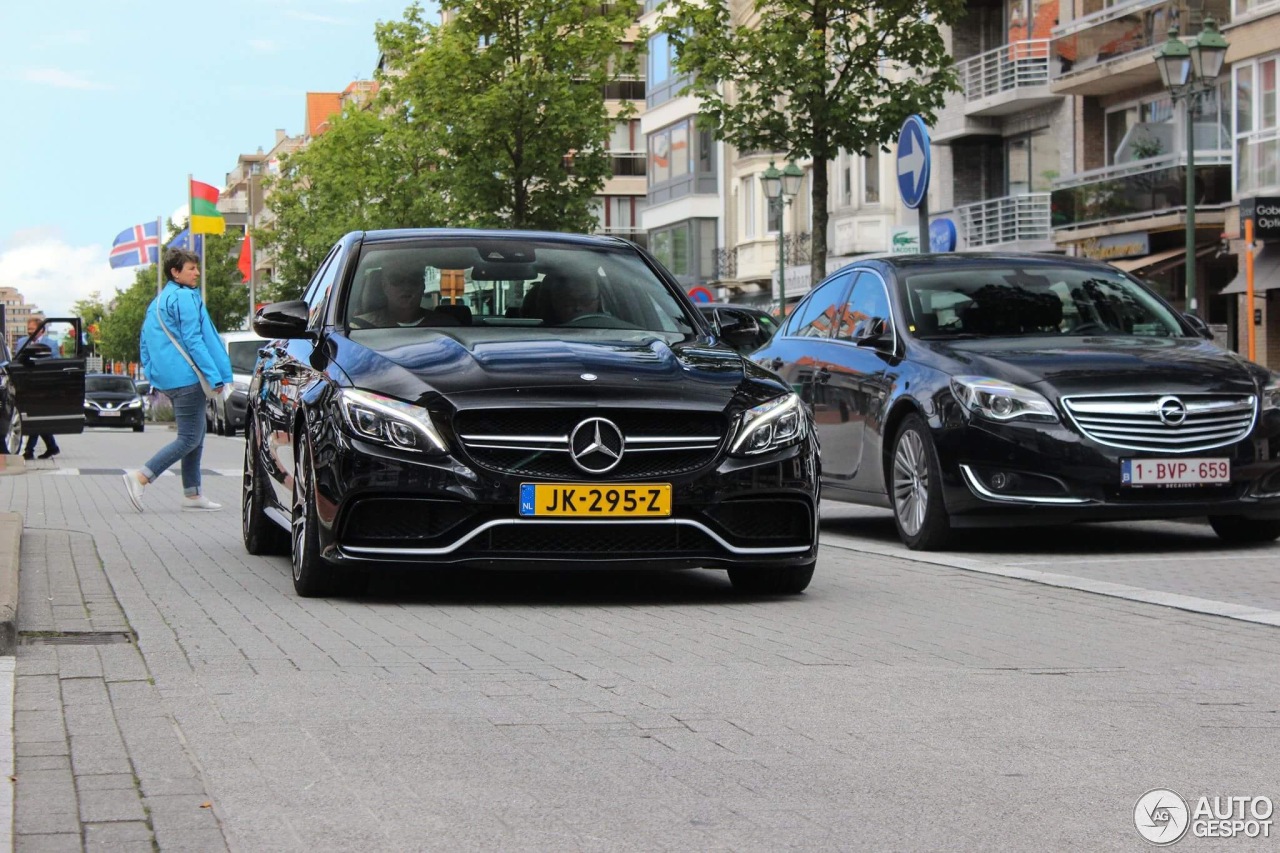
(592, 500)
(113, 414)
(1173, 472)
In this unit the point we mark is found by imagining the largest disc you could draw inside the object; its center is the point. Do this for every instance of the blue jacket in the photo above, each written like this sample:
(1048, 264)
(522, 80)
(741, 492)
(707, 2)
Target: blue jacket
(185, 315)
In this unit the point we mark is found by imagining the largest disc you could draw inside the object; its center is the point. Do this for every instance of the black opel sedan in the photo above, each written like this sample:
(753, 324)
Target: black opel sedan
(512, 399)
(984, 390)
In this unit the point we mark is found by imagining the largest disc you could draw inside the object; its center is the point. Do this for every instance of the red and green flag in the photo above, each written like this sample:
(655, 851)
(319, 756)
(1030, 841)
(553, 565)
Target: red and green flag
(205, 217)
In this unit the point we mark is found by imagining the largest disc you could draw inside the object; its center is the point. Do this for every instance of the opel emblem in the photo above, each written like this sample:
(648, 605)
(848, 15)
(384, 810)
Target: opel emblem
(596, 445)
(1172, 411)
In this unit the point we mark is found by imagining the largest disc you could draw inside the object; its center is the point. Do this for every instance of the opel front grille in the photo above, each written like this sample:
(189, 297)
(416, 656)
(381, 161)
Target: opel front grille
(1173, 423)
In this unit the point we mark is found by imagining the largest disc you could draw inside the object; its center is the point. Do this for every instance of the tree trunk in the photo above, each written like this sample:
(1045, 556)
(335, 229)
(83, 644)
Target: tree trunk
(818, 240)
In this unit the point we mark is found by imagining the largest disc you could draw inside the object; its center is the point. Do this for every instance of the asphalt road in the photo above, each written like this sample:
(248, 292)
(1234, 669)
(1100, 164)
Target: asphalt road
(973, 701)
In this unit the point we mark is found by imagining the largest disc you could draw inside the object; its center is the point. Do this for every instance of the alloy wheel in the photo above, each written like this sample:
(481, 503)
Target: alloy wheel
(910, 482)
(301, 486)
(13, 438)
(247, 487)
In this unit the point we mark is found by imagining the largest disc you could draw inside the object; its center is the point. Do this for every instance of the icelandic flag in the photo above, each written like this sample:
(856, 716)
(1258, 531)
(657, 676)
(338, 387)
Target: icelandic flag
(135, 246)
(184, 240)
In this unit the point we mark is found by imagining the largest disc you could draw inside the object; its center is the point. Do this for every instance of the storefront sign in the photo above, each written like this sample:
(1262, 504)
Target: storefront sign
(1265, 212)
(904, 240)
(1116, 246)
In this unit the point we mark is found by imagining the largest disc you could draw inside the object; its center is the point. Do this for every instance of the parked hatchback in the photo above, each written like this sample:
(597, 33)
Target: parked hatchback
(491, 399)
(985, 390)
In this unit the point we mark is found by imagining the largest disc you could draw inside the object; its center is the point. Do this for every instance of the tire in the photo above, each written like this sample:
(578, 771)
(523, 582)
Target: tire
(139, 427)
(229, 430)
(312, 576)
(261, 534)
(13, 435)
(1238, 530)
(771, 580)
(915, 488)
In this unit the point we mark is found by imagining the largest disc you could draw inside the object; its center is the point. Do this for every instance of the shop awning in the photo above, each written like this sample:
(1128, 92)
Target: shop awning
(1266, 272)
(1160, 261)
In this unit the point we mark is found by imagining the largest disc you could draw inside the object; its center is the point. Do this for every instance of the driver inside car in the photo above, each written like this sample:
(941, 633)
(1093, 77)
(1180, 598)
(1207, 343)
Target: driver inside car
(574, 299)
(402, 290)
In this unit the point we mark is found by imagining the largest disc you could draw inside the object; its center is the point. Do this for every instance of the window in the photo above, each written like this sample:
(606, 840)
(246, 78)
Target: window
(659, 59)
(1141, 130)
(318, 293)
(674, 170)
(816, 316)
(1031, 163)
(866, 312)
(1257, 129)
(687, 249)
(748, 199)
(871, 177)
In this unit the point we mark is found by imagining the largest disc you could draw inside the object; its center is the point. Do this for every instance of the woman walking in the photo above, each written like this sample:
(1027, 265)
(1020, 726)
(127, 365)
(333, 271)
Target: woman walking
(180, 348)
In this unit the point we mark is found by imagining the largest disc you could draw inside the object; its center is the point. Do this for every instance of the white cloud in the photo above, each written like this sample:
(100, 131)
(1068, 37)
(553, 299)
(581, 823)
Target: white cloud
(53, 275)
(60, 79)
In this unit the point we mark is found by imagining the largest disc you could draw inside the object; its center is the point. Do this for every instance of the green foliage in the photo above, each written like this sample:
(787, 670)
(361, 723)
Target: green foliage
(504, 93)
(367, 171)
(809, 78)
(118, 339)
(226, 296)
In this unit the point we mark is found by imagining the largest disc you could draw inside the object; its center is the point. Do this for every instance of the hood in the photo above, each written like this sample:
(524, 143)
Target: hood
(110, 396)
(1103, 364)
(639, 369)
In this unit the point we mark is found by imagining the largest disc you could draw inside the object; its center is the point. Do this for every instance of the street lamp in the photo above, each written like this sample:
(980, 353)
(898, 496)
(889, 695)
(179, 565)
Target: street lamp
(1188, 71)
(780, 186)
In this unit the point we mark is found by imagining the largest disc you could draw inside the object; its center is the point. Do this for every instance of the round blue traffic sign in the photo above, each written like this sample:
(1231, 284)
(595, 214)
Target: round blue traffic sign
(700, 294)
(913, 161)
(942, 235)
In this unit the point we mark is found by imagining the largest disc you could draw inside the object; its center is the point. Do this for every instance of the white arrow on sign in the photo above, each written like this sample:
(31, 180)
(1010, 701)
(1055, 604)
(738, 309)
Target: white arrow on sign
(912, 163)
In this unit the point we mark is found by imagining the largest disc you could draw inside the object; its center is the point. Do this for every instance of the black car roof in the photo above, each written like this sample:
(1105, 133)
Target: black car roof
(394, 234)
(972, 259)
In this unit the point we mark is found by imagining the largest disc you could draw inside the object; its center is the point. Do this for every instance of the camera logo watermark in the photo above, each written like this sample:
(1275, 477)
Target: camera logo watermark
(1162, 817)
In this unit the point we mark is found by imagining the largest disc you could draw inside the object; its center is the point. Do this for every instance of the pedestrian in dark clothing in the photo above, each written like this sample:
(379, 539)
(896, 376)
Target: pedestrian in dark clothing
(51, 448)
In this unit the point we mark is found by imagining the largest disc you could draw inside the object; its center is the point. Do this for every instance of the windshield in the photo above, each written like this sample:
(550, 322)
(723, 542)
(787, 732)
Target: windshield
(120, 384)
(511, 288)
(244, 355)
(1037, 300)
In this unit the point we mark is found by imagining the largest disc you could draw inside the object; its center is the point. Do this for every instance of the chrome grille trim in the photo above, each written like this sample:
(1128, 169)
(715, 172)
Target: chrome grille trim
(1132, 421)
(560, 443)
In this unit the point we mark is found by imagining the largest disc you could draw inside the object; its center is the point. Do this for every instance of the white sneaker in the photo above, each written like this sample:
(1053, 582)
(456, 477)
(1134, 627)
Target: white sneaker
(134, 488)
(200, 502)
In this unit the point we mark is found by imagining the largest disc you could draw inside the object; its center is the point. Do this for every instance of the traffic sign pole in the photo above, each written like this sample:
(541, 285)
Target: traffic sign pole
(913, 165)
(922, 210)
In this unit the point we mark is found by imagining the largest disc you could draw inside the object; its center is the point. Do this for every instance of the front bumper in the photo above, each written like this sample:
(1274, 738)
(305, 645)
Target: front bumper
(374, 504)
(116, 418)
(996, 473)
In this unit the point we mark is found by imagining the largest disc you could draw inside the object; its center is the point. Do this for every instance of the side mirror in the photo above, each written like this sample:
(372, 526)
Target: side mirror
(1200, 327)
(282, 320)
(740, 332)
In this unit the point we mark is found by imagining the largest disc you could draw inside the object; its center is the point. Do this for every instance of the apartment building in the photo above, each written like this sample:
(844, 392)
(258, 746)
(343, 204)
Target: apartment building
(621, 202)
(16, 311)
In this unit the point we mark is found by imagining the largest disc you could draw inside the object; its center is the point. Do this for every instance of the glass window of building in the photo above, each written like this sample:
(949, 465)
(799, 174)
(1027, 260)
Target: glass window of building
(871, 177)
(1257, 134)
(747, 195)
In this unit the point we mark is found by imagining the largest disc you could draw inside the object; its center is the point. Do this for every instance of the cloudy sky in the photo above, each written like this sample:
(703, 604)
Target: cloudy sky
(112, 103)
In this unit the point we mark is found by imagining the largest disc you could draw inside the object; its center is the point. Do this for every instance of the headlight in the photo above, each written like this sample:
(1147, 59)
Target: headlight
(769, 426)
(1001, 401)
(388, 421)
(1271, 393)
(89, 404)
(134, 403)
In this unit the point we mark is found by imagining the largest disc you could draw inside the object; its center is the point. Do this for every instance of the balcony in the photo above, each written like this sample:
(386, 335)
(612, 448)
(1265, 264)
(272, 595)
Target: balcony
(1018, 219)
(1111, 50)
(1009, 79)
(1139, 189)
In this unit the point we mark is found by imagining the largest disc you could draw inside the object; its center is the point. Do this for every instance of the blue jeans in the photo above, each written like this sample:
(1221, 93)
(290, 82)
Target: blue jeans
(188, 414)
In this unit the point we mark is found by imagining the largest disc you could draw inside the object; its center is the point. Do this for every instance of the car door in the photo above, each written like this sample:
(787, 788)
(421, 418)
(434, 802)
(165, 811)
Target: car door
(285, 372)
(859, 368)
(48, 388)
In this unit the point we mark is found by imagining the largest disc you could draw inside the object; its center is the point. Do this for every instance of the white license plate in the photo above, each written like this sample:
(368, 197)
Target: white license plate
(1174, 472)
(108, 414)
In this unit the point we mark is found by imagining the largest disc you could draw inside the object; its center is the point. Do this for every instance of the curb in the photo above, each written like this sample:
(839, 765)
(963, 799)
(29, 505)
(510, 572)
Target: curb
(12, 464)
(10, 549)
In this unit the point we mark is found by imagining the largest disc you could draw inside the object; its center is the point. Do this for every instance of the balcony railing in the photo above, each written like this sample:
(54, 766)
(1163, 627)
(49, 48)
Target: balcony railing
(1005, 220)
(1007, 68)
(1127, 28)
(726, 261)
(1140, 188)
(1258, 161)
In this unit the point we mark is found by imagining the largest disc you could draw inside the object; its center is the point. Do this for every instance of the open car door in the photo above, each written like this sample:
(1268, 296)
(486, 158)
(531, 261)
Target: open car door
(47, 386)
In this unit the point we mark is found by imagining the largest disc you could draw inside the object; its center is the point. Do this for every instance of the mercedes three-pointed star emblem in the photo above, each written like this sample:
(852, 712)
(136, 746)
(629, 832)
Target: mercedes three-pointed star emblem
(596, 445)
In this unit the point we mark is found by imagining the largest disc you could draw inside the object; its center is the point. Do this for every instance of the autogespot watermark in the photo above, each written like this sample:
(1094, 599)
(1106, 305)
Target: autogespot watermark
(1163, 817)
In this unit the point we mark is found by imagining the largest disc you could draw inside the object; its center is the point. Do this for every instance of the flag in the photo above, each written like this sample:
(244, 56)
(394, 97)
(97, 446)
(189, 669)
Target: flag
(205, 217)
(246, 257)
(185, 240)
(135, 246)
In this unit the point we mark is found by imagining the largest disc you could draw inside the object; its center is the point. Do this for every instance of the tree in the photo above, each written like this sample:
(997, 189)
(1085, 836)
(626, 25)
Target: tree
(120, 327)
(226, 294)
(91, 311)
(809, 78)
(367, 171)
(509, 93)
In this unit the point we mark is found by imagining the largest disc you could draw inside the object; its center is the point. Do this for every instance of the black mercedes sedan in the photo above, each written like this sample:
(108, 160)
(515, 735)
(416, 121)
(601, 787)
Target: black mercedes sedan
(490, 399)
(966, 390)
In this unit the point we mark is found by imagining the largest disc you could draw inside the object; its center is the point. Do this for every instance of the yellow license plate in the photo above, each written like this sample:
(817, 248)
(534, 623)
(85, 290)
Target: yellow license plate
(584, 500)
